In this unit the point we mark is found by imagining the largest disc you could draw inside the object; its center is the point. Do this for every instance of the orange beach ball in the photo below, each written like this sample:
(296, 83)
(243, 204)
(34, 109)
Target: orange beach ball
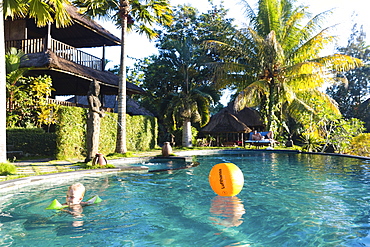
(226, 179)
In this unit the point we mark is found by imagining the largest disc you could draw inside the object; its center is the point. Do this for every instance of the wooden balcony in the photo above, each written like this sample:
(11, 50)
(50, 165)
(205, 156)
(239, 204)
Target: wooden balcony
(60, 49)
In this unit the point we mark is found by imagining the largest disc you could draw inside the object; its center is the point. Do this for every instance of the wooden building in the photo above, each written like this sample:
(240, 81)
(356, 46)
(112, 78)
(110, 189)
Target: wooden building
(57, 52)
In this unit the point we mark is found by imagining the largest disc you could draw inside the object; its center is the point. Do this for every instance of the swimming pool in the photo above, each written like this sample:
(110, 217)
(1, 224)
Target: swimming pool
(287, 200)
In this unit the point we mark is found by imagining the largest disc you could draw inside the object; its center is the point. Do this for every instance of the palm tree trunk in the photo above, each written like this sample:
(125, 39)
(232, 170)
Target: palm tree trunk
(121, 127)
(2, 90)
(271, 103)
(186, 133)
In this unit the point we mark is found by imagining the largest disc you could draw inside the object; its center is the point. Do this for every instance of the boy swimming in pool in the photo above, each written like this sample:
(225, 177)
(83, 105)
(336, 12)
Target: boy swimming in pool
(75, 195)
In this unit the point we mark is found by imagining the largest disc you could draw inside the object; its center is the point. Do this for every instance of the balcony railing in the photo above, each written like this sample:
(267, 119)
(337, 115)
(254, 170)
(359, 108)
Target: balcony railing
(60, 49)
(67, 103)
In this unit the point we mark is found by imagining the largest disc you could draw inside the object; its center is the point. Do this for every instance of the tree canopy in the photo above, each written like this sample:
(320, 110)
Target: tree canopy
(356, 87)
(275, 63)
(179, 83)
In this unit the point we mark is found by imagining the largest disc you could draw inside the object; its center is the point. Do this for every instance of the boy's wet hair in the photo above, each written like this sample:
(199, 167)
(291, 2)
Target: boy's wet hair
(77, 186)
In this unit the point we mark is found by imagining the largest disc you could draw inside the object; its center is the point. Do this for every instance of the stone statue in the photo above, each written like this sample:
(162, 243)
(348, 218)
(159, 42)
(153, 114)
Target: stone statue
(93, 120)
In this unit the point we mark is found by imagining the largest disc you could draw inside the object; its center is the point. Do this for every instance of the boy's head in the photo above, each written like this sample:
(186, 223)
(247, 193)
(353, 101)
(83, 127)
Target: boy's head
(75, 194)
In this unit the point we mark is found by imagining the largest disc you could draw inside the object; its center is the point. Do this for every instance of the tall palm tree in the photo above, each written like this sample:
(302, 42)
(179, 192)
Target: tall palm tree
(192, 101)
(44, 12)
(123, 12)
(192, 106)
(276, 61)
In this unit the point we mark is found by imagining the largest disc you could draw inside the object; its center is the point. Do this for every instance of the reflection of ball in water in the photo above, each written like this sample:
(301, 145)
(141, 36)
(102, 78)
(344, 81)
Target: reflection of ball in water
(227, 211)
(226, 179)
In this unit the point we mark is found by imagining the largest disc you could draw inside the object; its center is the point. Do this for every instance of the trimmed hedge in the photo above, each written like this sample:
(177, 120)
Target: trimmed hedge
(34, 141)
(69, 140)
(142, 132)
(71, 132)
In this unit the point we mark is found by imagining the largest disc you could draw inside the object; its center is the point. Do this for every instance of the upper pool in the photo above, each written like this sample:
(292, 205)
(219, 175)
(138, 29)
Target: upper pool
(287, 200)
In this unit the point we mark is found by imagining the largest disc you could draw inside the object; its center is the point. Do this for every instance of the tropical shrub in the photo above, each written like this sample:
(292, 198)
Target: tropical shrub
(312, 141)
(27, 101)
(343, 133)
(360, 145)
(7, 169)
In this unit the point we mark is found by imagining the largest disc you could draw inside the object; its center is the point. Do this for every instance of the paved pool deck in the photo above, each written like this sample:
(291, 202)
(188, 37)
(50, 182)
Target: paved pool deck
(38, 170)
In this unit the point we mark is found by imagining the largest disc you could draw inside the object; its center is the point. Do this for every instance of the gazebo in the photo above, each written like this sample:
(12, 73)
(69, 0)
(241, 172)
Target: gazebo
(229, 126)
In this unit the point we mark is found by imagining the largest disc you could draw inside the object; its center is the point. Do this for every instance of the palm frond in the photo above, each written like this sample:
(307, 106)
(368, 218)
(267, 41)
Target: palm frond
(14, 8)
(61, 16)
(251, 95)
(51, 11)
(291, 30)
(340, 62)
(319, 101)
(307, 81)
(298, 107)
(269, 16)
(310, 49)
(250, 14)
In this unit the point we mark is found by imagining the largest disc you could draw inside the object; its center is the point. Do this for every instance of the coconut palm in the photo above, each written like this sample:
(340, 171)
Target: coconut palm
(44, 12)
(124, 12)
(275, 63)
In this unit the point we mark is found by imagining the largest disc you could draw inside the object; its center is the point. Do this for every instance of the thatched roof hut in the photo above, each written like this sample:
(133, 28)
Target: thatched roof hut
(228, 120)
(225, 122)
(248, 116)
(230, 126)
(227, 128)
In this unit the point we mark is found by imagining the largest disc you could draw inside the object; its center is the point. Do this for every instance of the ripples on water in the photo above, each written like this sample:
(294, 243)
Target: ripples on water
(287, 200)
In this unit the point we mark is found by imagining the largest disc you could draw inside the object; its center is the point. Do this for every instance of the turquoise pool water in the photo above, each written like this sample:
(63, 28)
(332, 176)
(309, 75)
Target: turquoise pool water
(287, 200)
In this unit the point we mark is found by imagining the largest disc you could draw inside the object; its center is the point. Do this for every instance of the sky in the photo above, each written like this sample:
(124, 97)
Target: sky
(345, 14)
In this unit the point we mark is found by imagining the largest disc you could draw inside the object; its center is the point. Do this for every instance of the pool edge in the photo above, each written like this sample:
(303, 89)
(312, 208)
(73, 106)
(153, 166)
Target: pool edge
(13, 184)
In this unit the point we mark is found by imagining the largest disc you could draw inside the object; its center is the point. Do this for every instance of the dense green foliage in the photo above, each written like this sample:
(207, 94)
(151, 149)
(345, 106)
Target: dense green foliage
(71, 132)
(27, 104)
(32, 141)
(275, 63)
(69, 140)
(142, 133)
(331, 133)
(364, 108)
(7, 169)
(360, 145)
(180, 85)
(352, 94)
